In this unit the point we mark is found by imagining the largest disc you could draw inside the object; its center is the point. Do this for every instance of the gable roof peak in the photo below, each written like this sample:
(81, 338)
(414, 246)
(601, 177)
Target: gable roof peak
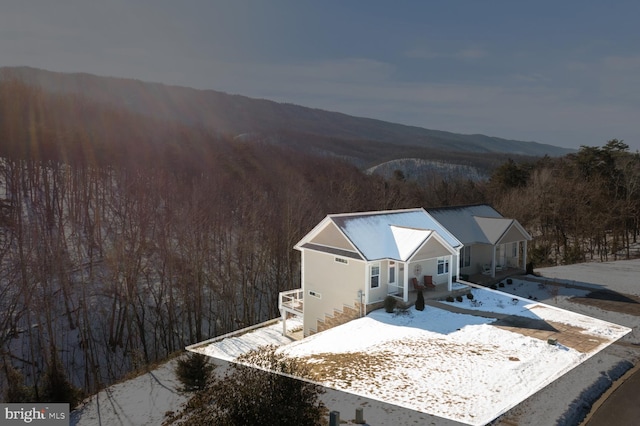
(376, 212)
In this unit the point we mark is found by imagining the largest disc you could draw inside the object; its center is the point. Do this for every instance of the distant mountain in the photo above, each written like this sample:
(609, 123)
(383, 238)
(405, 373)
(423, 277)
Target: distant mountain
(363, 141)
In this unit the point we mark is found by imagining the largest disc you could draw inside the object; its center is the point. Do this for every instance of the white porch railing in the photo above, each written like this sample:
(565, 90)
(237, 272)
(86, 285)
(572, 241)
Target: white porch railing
(395, 290)
(292, 300)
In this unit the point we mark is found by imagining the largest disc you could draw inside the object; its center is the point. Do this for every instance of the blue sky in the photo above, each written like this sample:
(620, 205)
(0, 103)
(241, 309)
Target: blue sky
(565, 73)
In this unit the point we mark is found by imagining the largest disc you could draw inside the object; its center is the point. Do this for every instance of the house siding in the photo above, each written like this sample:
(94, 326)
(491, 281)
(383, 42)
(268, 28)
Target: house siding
(433, 248)
(481, 254)
(336, 283)
(332, 237)
(430, 267)
(511, 236)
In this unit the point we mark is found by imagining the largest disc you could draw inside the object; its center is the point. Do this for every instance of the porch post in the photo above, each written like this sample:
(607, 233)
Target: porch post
(493, 262)
(456, 264)
(405, 279)
(524, 256)
(284, 322)
(451, 266)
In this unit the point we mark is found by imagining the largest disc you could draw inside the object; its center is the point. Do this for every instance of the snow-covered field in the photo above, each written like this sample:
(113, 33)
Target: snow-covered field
(140, 401)
(450, 365)
(422, 366)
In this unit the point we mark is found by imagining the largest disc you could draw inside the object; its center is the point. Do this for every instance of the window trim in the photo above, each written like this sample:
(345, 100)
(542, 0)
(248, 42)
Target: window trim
(372, 275)
(444, 261)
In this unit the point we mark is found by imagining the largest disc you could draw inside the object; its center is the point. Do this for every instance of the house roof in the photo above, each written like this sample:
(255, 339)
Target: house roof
(393, 234)
(477, 224)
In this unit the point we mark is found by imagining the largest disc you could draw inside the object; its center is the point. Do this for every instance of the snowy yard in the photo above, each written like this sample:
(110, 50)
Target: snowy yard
(456, 366)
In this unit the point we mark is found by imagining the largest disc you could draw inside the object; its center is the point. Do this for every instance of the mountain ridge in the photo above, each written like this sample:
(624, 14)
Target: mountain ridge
(236, 114)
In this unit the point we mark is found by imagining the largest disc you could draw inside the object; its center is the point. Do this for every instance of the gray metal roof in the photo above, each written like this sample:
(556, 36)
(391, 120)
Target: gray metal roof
(332, 250)
(393, 234)
(477, 224)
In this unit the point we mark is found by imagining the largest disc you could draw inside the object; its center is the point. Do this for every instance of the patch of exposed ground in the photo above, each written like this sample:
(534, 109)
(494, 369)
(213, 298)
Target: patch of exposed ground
(565, 334)
(611, 301)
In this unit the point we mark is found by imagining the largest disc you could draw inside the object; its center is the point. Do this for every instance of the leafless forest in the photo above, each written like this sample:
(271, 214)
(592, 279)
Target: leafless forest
(123, 239)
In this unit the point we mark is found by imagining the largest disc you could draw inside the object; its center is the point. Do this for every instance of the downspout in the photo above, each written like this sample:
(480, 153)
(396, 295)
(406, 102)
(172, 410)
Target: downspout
(361, 295)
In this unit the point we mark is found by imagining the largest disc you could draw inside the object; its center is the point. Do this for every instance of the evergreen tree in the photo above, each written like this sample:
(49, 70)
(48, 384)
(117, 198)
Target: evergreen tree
(420, 301)
(194, 372)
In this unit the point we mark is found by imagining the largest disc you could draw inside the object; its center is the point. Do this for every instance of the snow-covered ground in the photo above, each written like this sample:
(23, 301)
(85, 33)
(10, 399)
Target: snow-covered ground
(561, 402)
(140, 401)
(450, 365)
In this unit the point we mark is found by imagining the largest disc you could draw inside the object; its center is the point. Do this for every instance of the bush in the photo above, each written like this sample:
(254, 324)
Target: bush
(57, 388)
(420, 301)
(509, 281)
(16, 390)
(267, 394)
(493, 287)
(459, 298)
(470, 296)
(449, 299)
(390, 304)
(501, 285)
(194, 372)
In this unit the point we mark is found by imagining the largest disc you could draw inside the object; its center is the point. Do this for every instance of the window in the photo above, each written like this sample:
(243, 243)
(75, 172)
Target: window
(443, 265)
(392, 272)
(515, 250)
(341, 260)
(375, 276)
(465, 257)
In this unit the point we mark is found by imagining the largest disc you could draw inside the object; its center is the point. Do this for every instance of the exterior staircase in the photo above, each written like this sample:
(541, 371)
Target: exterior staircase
(338, 317)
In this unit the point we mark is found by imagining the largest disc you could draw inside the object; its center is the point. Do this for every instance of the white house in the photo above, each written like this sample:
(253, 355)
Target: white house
(351, 262)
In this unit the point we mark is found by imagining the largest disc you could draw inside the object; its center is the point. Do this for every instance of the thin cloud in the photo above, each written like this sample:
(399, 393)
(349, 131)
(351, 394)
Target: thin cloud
(464, 53)
(471, 53)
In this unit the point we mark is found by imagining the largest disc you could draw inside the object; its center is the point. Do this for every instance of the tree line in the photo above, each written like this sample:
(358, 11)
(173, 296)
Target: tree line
(581, 207)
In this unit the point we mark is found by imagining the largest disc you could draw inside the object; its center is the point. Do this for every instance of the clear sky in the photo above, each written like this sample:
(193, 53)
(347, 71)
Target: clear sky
(565, 73)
